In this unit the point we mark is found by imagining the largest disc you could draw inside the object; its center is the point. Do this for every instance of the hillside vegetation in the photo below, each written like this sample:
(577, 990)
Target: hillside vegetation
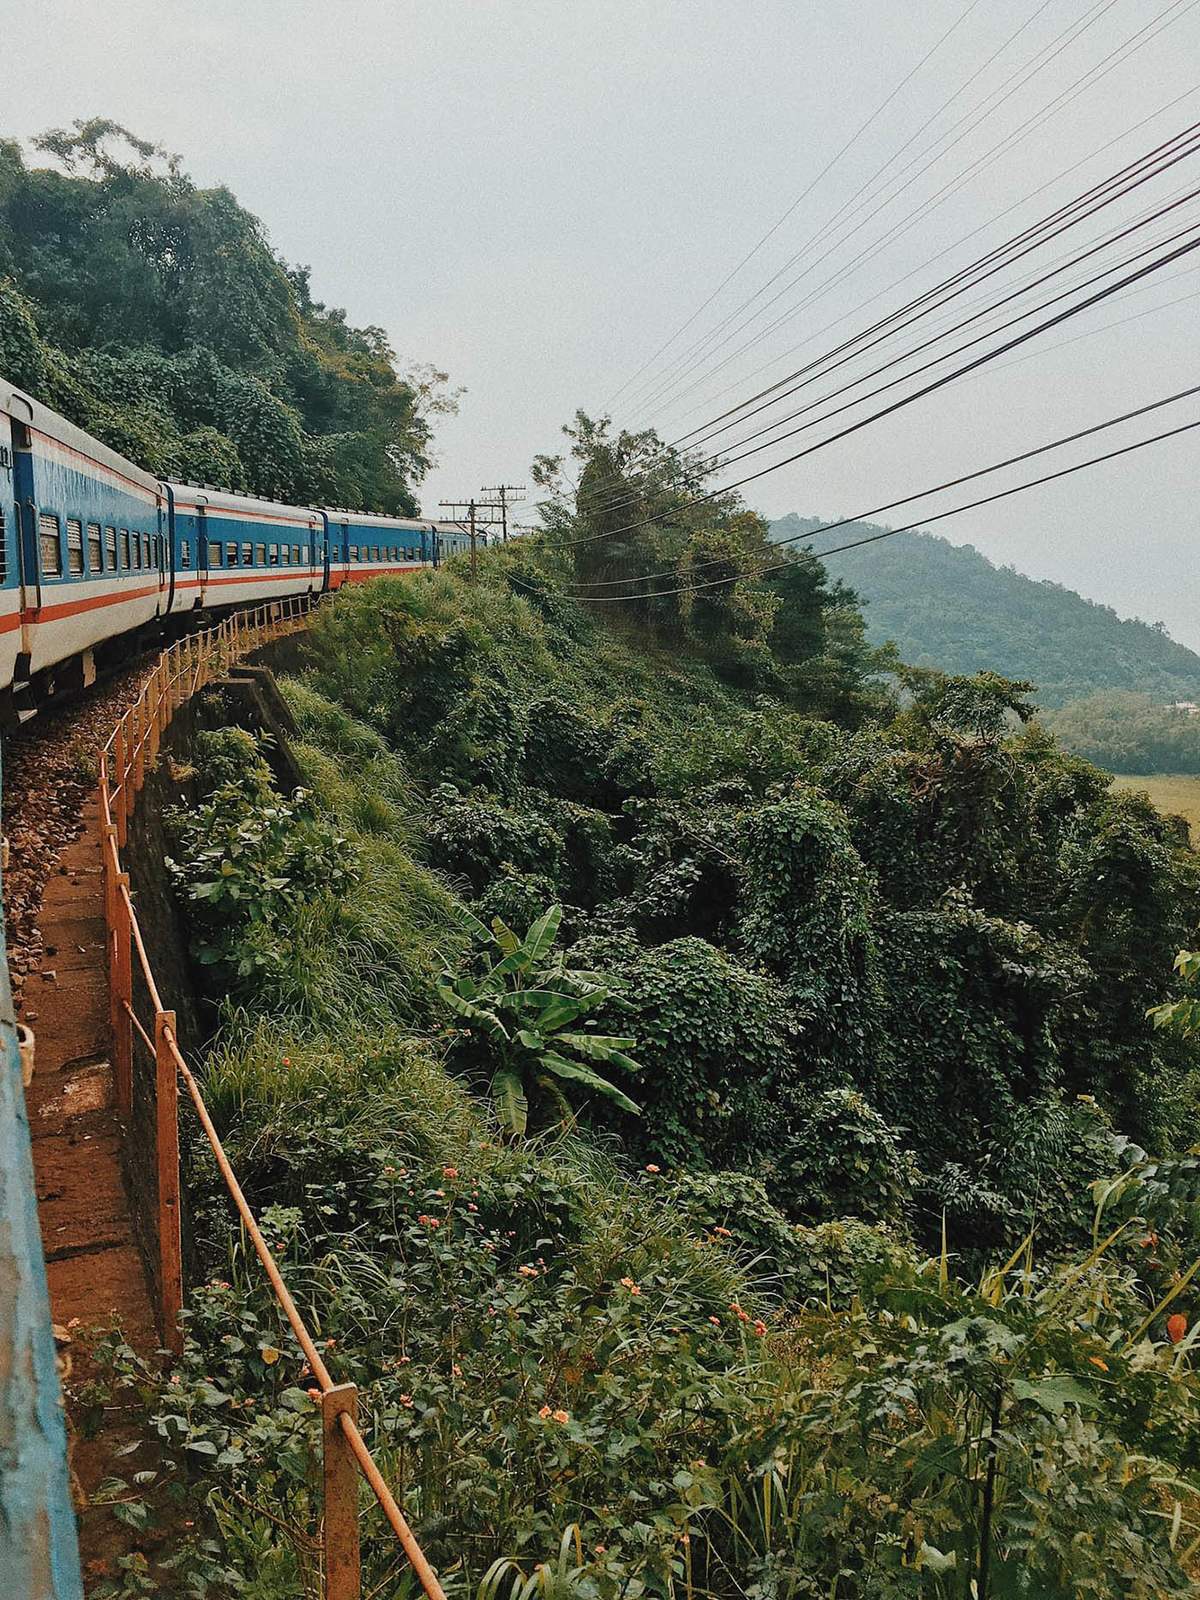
(704, 1106)
(156, 315)
(948, 606)
(1129, 733)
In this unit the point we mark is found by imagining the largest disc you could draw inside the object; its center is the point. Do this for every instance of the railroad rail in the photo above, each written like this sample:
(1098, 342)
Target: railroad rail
(181, 671)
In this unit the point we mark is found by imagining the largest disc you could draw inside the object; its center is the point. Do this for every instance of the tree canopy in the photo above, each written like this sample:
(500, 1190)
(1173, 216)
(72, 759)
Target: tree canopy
(156, 315)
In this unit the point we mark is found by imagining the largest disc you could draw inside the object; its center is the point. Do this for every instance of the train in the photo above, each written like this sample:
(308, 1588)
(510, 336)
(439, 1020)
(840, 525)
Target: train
(97, 554)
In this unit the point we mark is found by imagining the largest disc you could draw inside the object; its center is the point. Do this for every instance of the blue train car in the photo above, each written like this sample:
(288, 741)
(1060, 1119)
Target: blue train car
(231, 549)
(89, 558)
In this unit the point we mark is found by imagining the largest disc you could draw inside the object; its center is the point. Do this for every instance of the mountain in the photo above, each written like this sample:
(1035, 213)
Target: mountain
(948, 606)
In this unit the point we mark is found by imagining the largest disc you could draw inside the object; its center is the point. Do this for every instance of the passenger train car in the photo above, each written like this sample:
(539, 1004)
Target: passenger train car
(94, 550)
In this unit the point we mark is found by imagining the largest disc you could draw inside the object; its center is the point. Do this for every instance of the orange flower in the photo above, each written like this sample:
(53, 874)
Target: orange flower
(561, 1416)
(449, 1172)
(1097, 1362)
(287, 1061)
(723, 1233)
(652, 1168)
(1176, 1327)
(716, 1321)
(760, 1328)
(527, 1272)
(628, 1283)
(315, 1396)
(543, 1412)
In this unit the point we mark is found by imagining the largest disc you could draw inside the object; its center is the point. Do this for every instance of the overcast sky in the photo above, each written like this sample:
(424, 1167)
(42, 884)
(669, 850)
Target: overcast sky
(536, 194)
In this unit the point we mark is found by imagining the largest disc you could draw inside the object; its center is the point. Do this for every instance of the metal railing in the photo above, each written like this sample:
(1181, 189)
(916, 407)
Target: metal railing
(181, 671)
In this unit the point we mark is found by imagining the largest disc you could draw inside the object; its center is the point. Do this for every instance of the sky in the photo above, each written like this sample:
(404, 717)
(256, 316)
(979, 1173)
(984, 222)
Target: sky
(536, 195)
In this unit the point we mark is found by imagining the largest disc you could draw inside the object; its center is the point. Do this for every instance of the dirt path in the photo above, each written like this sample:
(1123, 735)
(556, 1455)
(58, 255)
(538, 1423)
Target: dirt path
(55, 922)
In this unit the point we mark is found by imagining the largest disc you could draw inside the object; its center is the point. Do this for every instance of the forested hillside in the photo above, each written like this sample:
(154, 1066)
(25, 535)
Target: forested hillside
(947, 606)
(710, 1109)
(157, 316)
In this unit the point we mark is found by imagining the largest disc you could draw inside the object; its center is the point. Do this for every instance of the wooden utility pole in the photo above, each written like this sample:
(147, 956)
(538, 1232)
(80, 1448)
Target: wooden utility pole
(504, 490)
(473, 520)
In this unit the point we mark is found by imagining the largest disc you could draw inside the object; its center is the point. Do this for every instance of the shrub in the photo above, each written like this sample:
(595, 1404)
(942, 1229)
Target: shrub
(716, 1044)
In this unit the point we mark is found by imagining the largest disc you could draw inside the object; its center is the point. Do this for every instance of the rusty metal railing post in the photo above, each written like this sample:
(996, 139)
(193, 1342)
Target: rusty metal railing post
(120, 972)
(138, 751)
(170, 1246)
(339, 1527)
(119, 776)
(120, 989)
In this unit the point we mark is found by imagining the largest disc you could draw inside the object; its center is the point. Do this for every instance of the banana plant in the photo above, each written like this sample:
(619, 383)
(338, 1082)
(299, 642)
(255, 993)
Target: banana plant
(523, 1015)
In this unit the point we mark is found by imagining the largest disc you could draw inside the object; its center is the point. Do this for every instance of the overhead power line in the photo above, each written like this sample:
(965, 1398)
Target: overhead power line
(924, 522)
(1128, 47)
(922, 494)
(1071, 213)
(1068, 312)
(799, 200)
(675, 368)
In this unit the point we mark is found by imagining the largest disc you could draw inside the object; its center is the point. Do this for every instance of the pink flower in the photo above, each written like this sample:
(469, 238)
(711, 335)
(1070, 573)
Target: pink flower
(716, 1321)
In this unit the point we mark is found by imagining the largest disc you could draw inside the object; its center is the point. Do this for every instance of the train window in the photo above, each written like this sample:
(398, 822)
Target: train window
(260, 555)
(135, 550)
(296, 554)
(214, 553)
(231, 555)
(185, 553)
(125, 558)
(146, 550)
(374, 552)
(74, 546)
(274, 555)
(51, 549)
(353, 552)
(110, 548)
(285, 555)
(247, 555)
(95, 548)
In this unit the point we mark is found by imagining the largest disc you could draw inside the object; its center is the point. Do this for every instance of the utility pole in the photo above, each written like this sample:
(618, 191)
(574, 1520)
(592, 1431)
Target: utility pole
(517, 491)
(473, 520)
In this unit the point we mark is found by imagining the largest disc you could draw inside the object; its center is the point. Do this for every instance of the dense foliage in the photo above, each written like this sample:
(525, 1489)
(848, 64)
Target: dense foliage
(947, 606)
(156, 315)
(874, 1296)
(1129, 733)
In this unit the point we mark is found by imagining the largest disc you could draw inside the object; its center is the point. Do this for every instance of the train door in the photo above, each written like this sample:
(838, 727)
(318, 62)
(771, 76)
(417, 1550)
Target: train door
(166, 545)
(323, 535)
(201, 550)
(26, 508)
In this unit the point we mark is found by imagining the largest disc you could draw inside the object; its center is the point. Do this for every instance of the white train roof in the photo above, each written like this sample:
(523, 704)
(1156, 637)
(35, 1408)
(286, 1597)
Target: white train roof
(21, 407)
(190, 494)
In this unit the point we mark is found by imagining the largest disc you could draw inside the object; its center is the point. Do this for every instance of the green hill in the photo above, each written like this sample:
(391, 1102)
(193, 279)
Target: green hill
(947, 606)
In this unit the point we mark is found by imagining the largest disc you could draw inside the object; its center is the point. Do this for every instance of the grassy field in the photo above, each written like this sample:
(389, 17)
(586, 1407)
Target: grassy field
(1177, 795)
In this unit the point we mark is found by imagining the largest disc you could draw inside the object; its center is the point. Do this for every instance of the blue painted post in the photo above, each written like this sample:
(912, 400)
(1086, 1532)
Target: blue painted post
(39, 1552)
